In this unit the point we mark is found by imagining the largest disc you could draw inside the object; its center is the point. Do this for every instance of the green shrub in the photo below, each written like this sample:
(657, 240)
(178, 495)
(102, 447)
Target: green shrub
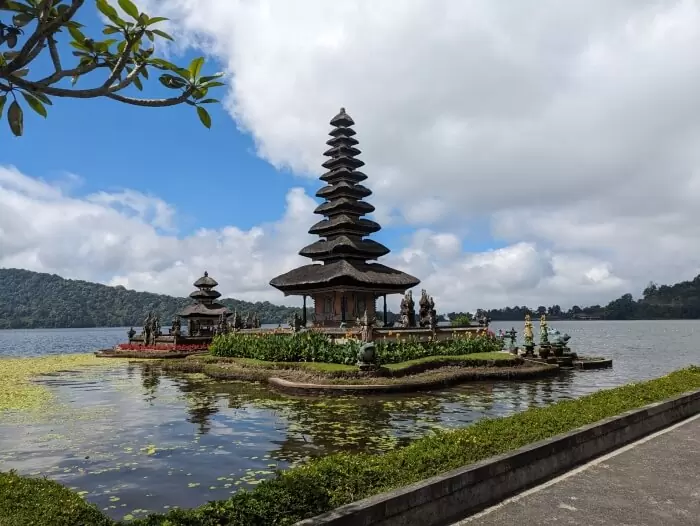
(343, 478)
(314, 346)
(28, 501)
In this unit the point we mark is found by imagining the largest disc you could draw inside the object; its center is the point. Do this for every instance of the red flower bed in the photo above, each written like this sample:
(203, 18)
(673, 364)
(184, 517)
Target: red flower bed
(161, 347)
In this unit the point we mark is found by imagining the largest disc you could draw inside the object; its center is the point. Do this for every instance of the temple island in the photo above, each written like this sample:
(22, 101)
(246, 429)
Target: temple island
(344, 280)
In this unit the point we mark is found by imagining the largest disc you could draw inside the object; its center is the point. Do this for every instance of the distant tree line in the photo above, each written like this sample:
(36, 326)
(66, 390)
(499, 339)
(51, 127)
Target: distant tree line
(35, 300)
(658, 302)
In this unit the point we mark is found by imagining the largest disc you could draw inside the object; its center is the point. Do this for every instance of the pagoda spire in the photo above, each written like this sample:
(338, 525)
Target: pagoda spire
(343, 230)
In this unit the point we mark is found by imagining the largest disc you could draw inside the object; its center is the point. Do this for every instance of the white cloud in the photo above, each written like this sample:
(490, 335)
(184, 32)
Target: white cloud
(118, 239)
(567, 129)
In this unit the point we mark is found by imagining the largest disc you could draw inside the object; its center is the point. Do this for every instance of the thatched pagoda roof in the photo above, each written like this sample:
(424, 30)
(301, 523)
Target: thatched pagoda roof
(346, 273)
(205, 281)
(343, 247)
(213, 310)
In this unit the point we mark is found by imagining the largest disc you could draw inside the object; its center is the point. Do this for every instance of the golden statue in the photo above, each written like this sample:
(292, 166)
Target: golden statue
(529, 336)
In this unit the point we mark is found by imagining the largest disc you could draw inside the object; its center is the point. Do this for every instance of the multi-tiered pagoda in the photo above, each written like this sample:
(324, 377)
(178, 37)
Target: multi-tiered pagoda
(346, 282)
(203, 316)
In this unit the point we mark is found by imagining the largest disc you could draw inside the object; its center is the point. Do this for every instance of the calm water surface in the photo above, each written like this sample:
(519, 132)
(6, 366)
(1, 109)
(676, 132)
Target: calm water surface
(137, 440)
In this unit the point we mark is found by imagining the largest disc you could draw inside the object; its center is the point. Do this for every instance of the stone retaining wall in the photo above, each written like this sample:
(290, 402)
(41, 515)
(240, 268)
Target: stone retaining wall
(449, 497)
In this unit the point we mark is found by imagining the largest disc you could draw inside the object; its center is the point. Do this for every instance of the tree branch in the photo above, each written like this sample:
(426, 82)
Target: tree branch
(121, 63)
(151, 103)
(35, 43)
(55, 57)
(80, 70)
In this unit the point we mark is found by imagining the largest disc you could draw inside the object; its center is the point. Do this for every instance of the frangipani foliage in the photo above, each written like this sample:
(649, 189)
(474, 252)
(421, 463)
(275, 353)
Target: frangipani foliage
(122, 56)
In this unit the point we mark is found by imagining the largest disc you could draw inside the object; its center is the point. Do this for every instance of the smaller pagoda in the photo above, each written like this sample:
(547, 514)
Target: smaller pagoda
(203, 316)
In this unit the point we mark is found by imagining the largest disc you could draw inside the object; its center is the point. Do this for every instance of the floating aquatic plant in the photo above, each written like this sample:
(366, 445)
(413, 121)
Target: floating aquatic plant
(17, 390)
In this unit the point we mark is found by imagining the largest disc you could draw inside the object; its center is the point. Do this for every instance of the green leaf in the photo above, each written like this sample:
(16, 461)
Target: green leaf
(172, 82)
(20, 73)
(22, 19)
(212, 85)
(11, 40)
(200, 93)
(110, 30)
(35, 104)
(3, 100)
(121, 47)
(149, 35)
(15, 117)
(157, 19)
(137, 83)
(208, 101)
(129, 8)
(161, 63)
(144, 72)
(76, 33)
(43, 98)
(204, 80)
(195, 67)
(110, 12)
(78, 45)
(204, 116)
(162, 34)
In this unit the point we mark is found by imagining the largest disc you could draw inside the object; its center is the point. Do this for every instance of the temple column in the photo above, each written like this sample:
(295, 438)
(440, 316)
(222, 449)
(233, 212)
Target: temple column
(343, 307)
(385, 322)
(303, 315)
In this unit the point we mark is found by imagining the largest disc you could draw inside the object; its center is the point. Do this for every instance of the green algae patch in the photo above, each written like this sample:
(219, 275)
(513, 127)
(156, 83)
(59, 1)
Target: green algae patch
(19, 391)
(42, 502)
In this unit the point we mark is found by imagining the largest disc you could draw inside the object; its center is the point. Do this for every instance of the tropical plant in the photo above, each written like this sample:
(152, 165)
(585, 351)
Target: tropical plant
(314, 346)
(32, 28)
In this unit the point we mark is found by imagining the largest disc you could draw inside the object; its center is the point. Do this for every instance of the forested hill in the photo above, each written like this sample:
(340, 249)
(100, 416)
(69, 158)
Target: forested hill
(33, 300)
(679, 301)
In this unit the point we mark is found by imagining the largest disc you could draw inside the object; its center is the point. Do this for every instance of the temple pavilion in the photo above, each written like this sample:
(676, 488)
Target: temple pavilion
(344, 280)
(203, 316)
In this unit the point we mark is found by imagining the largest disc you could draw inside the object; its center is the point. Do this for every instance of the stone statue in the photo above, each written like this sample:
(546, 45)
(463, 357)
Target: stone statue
(147, 327)
(176, 329)
(423, 309)
(544, 332)
(131, 334)
(512, 333)
(156, 328)
(529, 337)
(367, 324)
(222, 325)
(237, 321)
(432, 321)
(295, 323)
(256, 321)
(407, 316)
(248, 321)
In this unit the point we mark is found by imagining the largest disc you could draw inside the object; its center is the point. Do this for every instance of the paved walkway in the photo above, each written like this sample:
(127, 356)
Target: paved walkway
(652, 482)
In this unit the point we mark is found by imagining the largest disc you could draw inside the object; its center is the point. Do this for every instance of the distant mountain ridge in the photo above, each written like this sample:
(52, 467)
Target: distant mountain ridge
(30, 300)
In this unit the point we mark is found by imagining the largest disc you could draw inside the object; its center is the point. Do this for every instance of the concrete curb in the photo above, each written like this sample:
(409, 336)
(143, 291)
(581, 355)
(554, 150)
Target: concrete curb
(452, 496)
(490, 373)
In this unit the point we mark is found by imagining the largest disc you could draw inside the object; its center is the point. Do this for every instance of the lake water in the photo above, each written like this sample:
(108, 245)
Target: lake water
(137, 440)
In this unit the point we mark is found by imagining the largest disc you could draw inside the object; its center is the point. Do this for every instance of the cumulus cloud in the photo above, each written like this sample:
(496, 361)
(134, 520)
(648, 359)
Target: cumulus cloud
(118, 239)
(568, 131)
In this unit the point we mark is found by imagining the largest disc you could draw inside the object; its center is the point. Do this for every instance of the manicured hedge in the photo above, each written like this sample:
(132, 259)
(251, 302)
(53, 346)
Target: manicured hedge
(28, 501)
(339, 479)
(314, 346)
